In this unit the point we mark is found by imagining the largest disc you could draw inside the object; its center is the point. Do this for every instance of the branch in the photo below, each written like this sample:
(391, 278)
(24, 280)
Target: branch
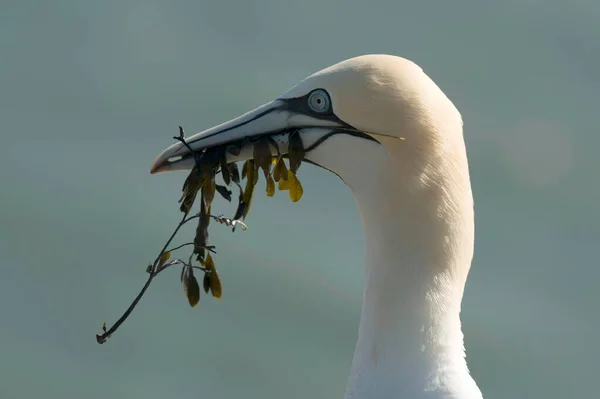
(208, 164)
(159, 262)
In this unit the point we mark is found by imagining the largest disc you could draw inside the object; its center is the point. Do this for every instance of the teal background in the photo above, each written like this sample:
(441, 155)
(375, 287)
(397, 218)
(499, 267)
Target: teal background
(90, 92)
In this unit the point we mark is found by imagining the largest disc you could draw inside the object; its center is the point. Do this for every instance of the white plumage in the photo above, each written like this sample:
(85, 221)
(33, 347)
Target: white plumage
(413, 191)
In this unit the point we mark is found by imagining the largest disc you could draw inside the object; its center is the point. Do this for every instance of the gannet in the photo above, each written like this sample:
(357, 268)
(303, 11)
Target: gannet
(391, 134)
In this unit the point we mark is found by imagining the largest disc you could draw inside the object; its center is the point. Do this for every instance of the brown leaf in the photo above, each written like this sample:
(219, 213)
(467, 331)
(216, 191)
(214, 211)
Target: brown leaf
(270, 186)
(192, 184)
(225, 173)
(234, 150)
(254, 174)
(191, 287)
(284, 171)
(262, 156)
(234, 172)
(280, 170)
(295, 151)
(250, 184)
(206, 282)
(276, 172)
(207, 169)
(240, 211)
(225, 193)
(201, 238)
(208, 190)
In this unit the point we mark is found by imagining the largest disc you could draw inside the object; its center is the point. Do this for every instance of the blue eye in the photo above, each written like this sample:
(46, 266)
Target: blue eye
(319, 102)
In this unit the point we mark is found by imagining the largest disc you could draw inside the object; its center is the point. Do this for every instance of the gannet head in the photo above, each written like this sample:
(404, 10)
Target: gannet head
(382, 125)
(371, 103)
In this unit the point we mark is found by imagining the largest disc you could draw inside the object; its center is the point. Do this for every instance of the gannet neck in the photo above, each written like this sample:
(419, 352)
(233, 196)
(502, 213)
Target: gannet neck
(419, 244)
(415, 201)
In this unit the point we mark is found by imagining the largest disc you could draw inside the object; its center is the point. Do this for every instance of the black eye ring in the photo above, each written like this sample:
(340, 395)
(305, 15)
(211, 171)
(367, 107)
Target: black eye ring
(318, 101)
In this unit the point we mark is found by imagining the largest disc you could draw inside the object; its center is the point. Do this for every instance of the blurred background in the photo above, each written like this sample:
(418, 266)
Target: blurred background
(91, 92)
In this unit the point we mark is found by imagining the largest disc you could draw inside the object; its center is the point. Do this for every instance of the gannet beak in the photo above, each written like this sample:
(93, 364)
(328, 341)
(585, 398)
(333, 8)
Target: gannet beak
(272, 118)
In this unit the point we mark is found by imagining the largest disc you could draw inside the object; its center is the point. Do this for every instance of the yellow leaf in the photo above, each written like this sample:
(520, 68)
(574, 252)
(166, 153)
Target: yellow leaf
(283, 185)
(215, 285)
(250, 172)
(247, 166)
(296, 190)
(286, 184)
(165, 257)
(270, 186)
(208, 190)
(209, 263)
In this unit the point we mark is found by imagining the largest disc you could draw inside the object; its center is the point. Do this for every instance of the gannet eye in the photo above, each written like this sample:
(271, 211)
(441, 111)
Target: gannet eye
(319, 102)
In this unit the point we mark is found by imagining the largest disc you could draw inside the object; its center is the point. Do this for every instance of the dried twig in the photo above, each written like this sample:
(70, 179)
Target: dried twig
(207, 165)
(159, 263)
